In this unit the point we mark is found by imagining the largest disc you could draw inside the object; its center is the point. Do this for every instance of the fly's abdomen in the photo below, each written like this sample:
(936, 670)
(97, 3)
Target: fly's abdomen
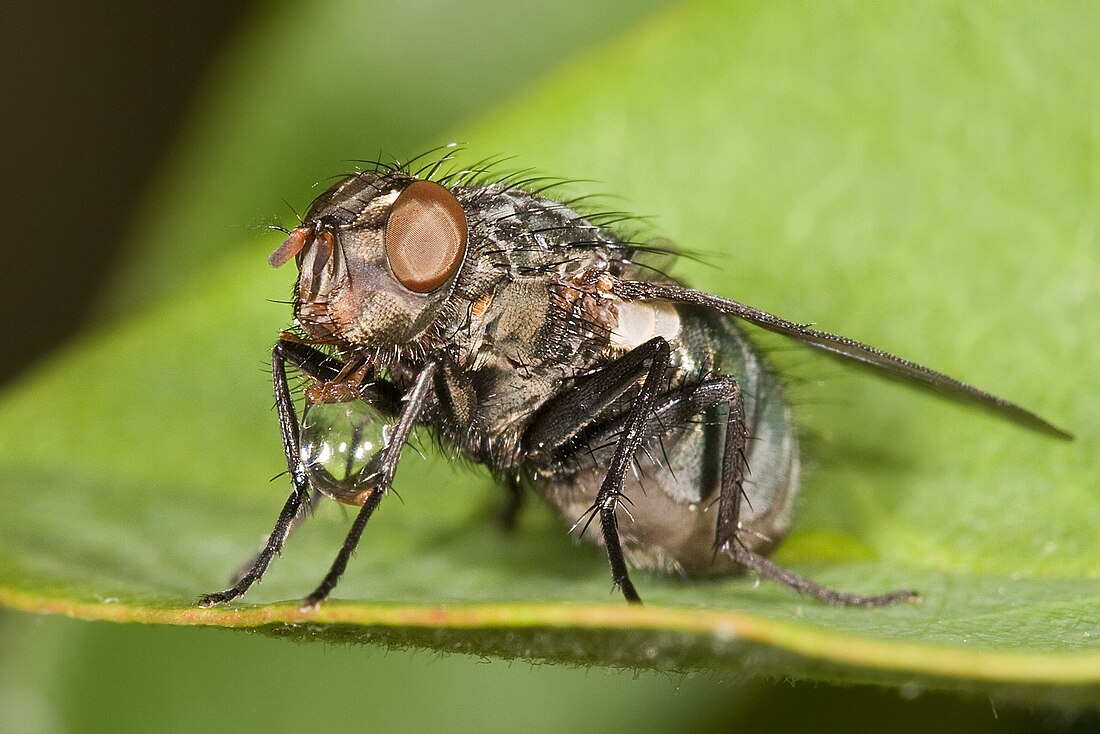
(670, 521)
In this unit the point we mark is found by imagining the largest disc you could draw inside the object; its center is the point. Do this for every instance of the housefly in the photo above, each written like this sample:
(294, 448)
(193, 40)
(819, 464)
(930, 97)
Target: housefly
(531, 338)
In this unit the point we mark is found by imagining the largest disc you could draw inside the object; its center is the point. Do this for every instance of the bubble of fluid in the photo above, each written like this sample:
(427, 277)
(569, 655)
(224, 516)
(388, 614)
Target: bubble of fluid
(340, 444)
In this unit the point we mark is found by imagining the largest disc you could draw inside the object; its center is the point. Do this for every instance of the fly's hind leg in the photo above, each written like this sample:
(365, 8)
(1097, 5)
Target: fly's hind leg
(765, 567)
(734, 467)
(551, 441)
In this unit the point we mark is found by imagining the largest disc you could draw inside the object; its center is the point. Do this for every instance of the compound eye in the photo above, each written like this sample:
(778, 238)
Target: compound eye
(425, 236)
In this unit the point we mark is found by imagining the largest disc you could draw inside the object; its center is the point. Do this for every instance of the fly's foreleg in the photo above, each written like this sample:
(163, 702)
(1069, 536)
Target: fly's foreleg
(318, 366)
(379, 483)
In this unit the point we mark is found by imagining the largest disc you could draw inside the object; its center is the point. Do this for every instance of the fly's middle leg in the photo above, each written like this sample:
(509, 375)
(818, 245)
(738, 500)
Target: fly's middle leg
(568, 417)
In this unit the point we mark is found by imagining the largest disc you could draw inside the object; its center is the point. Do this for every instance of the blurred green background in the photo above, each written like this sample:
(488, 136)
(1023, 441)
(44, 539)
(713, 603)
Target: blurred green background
(99, 99)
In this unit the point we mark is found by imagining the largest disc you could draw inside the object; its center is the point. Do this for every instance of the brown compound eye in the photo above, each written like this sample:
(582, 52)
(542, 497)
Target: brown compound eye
(425, 236)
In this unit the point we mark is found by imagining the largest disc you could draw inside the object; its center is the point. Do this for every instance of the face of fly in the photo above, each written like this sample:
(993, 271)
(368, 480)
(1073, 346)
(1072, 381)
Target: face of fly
(376, 256)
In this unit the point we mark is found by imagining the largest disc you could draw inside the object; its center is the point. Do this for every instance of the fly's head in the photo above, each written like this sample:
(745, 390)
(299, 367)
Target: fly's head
(377, 255)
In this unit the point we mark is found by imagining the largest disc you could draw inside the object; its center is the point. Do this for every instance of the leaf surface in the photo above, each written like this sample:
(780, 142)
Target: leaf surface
(921, 178)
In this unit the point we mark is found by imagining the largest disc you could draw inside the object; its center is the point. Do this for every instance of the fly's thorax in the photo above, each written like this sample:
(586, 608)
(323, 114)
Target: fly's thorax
(389, 260)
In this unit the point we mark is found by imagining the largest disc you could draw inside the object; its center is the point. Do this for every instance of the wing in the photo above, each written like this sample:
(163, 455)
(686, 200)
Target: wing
(843, 346)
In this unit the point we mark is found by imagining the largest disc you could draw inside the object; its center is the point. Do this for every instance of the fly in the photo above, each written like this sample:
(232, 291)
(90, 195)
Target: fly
(529, 338)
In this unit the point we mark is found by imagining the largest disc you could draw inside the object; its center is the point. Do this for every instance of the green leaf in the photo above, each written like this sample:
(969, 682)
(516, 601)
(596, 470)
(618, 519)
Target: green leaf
(920, 177)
